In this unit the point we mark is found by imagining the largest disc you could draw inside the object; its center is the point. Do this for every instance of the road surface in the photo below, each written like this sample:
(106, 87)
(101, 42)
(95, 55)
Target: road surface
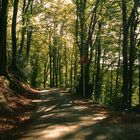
(58, 118)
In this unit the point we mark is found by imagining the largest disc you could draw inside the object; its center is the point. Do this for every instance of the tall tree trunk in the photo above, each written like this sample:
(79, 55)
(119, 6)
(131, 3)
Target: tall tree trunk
(29, 38)
(45, 72)
(60, 71)
(25, 20)
(23, 31)
(66, 68)
(57, 69)
(3, 34)
(71, 72)
(51, 70)
(29, 31)
(125, 57)
(128, 67)
(35, 71)
(75, 67)
(50, 58)
(97, 77)
(44, 82)
(133, 27)
(14, 40)
(118, 66)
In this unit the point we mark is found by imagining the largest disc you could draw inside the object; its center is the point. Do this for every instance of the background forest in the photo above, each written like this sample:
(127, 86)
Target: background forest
(89, 46)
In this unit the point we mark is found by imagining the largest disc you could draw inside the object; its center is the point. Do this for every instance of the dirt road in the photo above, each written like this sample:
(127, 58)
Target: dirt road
(58, 118)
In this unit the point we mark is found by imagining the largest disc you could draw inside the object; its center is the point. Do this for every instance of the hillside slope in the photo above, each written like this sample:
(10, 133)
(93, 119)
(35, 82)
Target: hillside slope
(15, 103)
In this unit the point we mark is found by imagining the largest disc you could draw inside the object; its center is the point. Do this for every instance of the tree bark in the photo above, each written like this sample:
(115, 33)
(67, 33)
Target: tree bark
(125, 56)
(14, 39)
(3, 35)
(29, 39)
(97, 77)
(23, 31)
(133, 27)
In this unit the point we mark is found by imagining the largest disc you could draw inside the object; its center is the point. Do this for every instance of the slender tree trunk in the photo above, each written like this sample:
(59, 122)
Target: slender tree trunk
(35, 71)
(29, 39)
(60, 72)
(44, 82)
(3, 35)
(118, 66)
(125, 57)
(50, 59)
(57, 68)
(71, 72)
(46, 68)
(66, 68)
(51, 72)
(97, 77)
(14, 40)
(133, 27)
(23, 31)
(75, 67)
(111, 84)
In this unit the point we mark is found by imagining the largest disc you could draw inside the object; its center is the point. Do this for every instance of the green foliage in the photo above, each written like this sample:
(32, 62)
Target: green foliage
(56, 46)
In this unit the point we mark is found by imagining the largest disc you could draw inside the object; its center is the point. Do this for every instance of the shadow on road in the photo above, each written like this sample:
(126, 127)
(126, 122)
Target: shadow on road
(58, 118)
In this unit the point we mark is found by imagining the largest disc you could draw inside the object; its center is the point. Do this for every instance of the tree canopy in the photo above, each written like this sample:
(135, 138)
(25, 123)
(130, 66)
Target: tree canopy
(89, 46)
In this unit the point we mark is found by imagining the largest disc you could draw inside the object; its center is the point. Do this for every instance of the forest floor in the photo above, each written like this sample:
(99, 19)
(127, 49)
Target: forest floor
(59, 116)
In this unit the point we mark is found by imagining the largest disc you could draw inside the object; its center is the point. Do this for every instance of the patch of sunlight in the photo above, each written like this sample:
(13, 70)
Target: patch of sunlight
(80, 107)
(101, 137)
(44, 91)
(49, 90)
(92, 118)
(49, 115)
(45, 109)
(100, 118)
(40, 101)
(57, 131)
(50, 108)
(62, 114)
(37, 101)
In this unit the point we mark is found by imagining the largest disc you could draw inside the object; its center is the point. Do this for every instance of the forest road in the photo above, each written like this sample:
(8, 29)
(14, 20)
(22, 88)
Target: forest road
(59, 118)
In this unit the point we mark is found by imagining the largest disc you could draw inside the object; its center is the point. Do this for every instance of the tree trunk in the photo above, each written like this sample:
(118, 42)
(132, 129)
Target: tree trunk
(66, 68)
(29, 38)
(46, 68)
(118, 67)
(97, 77)
(125, 57)
(14, 40)
(3, 34)
(71, 72)
(35, 71)
(133, 27)
(23, 31)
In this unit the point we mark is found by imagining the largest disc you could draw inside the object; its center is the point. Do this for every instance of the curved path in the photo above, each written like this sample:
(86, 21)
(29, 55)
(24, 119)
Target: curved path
(58, 118)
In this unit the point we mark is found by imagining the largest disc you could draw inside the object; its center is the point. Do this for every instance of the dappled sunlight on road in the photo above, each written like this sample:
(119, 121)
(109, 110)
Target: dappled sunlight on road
(59, 118)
